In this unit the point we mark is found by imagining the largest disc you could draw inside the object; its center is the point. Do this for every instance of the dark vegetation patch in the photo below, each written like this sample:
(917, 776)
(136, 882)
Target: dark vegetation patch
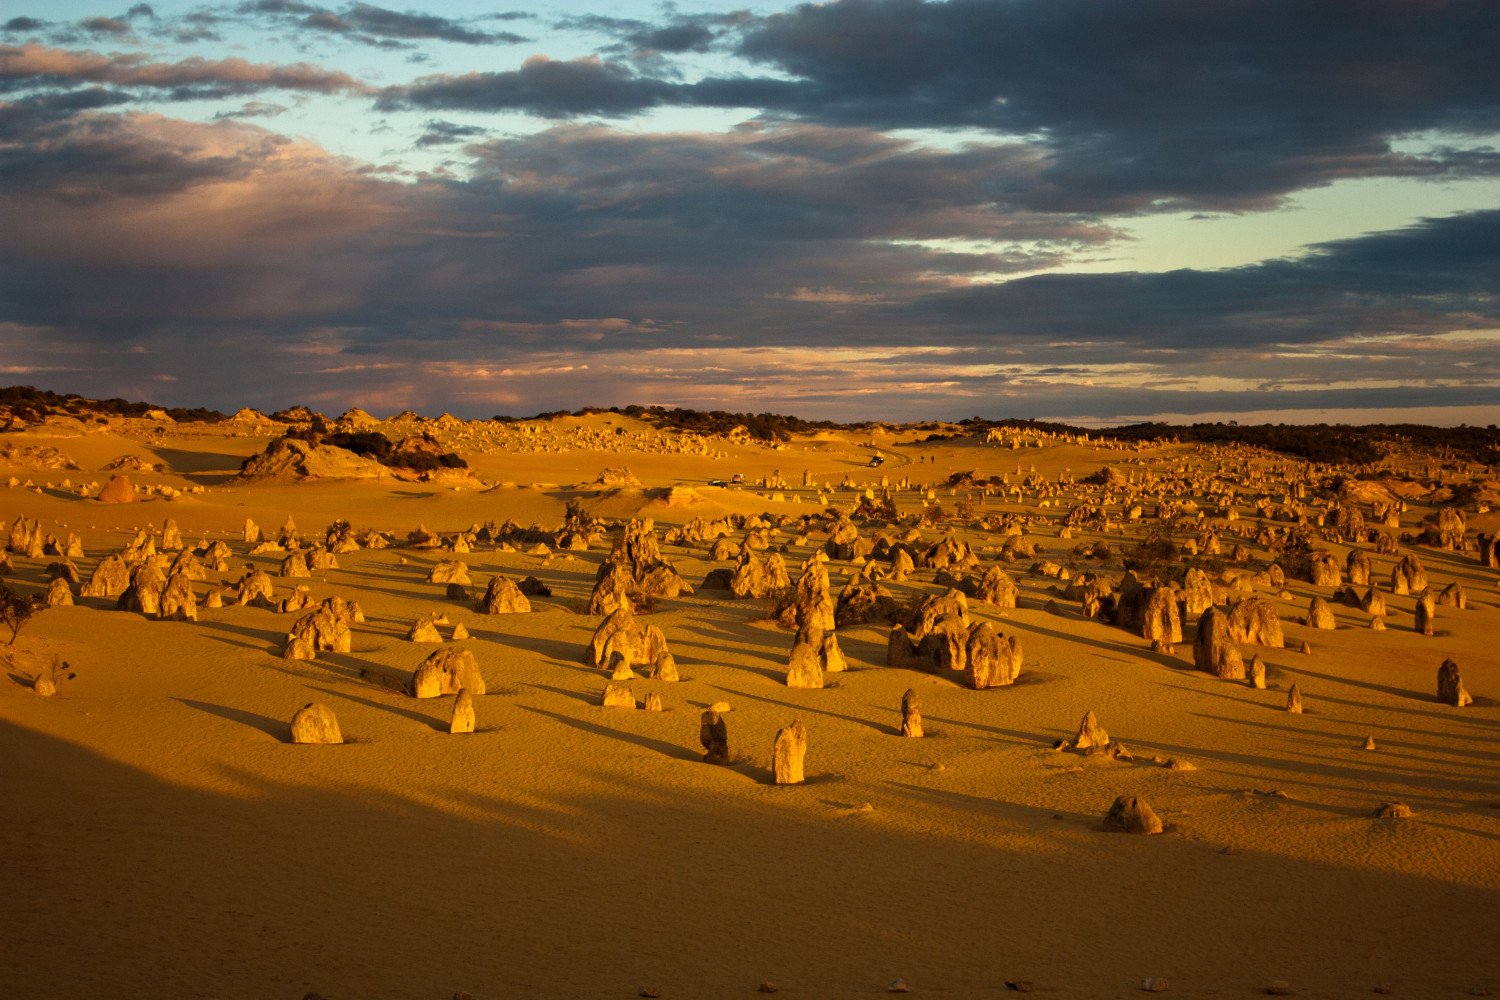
(33, 405)
(418, 453)
(1344, 444)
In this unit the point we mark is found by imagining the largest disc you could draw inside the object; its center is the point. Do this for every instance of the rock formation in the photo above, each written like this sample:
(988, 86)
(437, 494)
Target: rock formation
(117, 490)
(462, 720)
(1160, 620)
(997, 588)
(448, 671)
(813, 603)
(109, 579)
(1091, 735)
(1408, 576)
(815, 653)
(328, 629)
(1129, 814)
(59, 593)
(622, 635)
(1425, 613)
(991, 660)
(714, 736)
(178, 601)
(1254, 621)
(1215, 650)
(618, 696)
(450, 571)
(788, 754)
(911, 715)
(1324, 570)
(1255, 674)
(1450, 686)
(315, 723)
(1197, 591)
(503, 597)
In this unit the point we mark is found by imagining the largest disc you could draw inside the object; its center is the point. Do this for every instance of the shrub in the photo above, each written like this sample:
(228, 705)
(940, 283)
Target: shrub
(1152, 553)
(15, 610)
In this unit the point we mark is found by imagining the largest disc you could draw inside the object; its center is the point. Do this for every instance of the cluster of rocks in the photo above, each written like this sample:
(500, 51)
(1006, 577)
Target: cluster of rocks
(635, 571)
(622, 645)
(944, 638)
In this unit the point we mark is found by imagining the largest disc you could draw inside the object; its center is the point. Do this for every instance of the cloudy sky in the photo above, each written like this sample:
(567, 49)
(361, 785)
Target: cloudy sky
(859, 209)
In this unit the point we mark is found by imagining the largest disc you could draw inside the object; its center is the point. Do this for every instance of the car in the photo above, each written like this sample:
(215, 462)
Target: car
(738, 477)
(717, 482)
(876, 461)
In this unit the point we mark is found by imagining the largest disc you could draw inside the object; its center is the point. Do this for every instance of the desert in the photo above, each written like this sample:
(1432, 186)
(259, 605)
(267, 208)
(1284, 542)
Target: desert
(698, 500)
(558, 718)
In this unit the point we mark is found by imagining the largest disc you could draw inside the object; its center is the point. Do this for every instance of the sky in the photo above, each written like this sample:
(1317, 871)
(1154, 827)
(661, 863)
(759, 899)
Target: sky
(866, 209)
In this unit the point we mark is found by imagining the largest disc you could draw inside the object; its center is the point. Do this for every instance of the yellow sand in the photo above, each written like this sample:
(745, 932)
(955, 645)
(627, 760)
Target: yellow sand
(162, 838)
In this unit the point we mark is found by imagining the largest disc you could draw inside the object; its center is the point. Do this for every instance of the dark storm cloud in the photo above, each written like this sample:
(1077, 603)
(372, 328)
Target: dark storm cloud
(253, 109)
(377, 25)
(441, 133)
(23, 24)
(1167, 98)
(1440, 275)
(772, 266)
(23, 116)
(106, 26)
(576, 221)
(84, 161)
(1138, 104)
(675, 38)
(31, 66)
(550, 88)
(679, 33)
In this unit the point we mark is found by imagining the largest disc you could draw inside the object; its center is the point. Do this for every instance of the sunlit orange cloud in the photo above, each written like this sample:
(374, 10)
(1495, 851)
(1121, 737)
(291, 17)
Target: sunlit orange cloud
(239, 201)
(19, 62)
(833, 295)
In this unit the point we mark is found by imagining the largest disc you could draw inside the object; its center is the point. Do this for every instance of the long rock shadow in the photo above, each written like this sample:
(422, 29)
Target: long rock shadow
(1462, 829)
(1438, 746)
(407, 713)
(1451, 562)
(776, 672)
(878, 727)
(564, 653)
(1142, 653)
(1278, 705)
(660, 746)
(992, 806)
(271, 640)
(1404, 693)
(183, 462)
(275, 728)
(575, 695)
(1306, 772)
(386, 583)
(743, 638)
(1467, 719)
(1297, 750)
(1018, 736)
